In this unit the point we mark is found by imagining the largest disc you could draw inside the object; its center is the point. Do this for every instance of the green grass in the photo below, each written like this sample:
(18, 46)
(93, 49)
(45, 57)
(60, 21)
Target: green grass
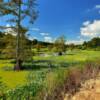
(75, 56)
(9, 77)
(13, 78)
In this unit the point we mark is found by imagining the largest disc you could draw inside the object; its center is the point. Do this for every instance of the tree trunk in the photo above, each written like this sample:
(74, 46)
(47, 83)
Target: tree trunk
(18, 61)
(18, 65)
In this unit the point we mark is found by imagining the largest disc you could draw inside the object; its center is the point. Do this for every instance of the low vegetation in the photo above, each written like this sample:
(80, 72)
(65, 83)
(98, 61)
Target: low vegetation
(38, 70)
(75, 79)
(45, 82)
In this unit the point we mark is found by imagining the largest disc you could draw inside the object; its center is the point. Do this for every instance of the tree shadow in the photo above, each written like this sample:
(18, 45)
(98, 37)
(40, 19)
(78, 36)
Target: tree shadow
(50, 64)
(38, 65)
(43, 64)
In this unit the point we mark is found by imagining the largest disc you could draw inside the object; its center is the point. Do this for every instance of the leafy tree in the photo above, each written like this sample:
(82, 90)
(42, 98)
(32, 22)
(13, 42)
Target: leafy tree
(72, 46)
(93, 43)
(50, 47)
(19, 11)
(8, 49)
(1, 41)
(34, 42)
(10, 43)
(38, 47)
(59, 45)
(85, 45)
(1, 34)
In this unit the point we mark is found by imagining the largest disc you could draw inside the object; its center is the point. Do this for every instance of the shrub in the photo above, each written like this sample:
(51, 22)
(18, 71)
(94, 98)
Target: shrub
(76, 76)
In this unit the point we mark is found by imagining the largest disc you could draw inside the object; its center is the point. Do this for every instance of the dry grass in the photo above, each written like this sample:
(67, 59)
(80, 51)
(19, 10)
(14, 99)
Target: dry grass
(76, 77)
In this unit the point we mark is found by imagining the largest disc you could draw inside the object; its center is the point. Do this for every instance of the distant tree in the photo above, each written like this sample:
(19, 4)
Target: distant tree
(18, 10)
(8, 50)
(34, 42)
(38, 47)
(50, 47)
(1, 34)
(84, 45)
(93, 43)
(2, 45)
(72, 46)
(60, 45)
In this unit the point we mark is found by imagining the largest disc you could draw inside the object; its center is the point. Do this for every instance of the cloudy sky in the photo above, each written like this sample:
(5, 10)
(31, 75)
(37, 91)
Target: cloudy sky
(77, 20)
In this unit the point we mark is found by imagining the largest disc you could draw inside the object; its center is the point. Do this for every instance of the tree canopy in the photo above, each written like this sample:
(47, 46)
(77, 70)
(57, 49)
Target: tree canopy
(19, 11)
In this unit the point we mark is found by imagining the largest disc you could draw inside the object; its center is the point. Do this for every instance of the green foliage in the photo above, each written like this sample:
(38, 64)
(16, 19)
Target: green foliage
(71, 46)
(2, 89)
(93, 43)
(9, 48)
(42, 82)
(29, 90)
(59, 45)
(10, 44)
(18, 10)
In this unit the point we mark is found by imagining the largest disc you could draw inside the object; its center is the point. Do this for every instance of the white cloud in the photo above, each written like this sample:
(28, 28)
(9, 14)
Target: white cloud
(86, 23)
(8, 25)
(91, 29)
(80, 41)
(32, 38)
(96, 9)
(35, 29)
(44, 34)
(10, 30)
(48, 39)
(97, 6)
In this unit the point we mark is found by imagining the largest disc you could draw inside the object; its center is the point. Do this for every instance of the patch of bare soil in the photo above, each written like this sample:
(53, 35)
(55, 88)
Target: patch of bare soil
(90, 90)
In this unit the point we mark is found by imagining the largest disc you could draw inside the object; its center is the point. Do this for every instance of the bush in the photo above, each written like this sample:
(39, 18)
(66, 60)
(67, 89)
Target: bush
(74, 80)
(29, 90)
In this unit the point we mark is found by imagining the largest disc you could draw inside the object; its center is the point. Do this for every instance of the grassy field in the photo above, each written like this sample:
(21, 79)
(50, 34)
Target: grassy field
(73, 56)
(12, 78)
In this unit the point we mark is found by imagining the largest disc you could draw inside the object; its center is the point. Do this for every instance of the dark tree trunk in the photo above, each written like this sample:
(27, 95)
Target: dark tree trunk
(18, 61)
(60, 54)
(18, 65)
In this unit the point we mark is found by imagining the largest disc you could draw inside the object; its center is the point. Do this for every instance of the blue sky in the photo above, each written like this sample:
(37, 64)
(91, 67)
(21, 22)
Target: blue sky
(65, 17)
(77, 20)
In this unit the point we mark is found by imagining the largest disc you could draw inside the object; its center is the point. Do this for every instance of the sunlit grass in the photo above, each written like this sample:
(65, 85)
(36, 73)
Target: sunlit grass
(73, 56)
(12, 78)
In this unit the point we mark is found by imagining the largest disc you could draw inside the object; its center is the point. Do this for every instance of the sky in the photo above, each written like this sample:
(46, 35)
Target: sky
(77, 20)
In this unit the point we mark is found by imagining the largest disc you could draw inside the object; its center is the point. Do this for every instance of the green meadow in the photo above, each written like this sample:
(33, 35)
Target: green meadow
(71, 59)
